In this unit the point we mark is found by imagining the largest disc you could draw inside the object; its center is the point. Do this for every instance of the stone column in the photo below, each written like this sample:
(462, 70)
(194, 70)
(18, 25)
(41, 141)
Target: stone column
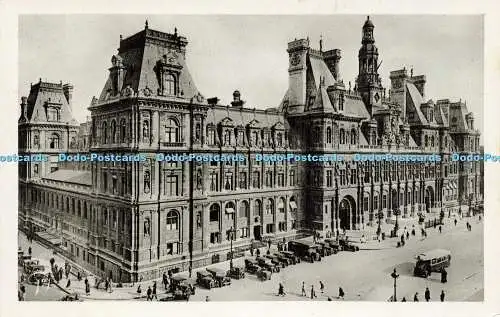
(155, 129)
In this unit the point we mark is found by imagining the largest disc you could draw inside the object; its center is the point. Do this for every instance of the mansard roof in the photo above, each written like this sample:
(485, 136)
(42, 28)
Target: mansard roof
(43, 94)
(239, 116)
(413, 101)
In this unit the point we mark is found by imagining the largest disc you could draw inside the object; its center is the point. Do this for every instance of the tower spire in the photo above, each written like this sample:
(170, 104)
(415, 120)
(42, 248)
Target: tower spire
(146, 24)
(321, 43)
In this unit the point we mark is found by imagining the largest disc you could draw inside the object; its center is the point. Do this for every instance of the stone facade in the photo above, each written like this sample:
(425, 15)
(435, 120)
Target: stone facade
(133, 220)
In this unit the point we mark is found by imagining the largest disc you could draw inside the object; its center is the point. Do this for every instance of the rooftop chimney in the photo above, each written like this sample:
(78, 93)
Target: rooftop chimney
(68, 93)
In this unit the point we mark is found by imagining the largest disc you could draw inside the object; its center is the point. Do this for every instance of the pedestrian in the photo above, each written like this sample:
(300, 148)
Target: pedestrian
(427, 294)
(304, 289)
(139, 290)
(38, 284)
(29, 250)
(313, 293)
(413, 231)
(207, 299)
(20, 295)
(148, 293)
(415, 297)
(442, 296)
(281, 290)
(404, 299)
(321, 287)
(251, 250)
(106, 284)
(329, 299)
(258, 252)
(79, 276)
(455, 221)
(440, 229)
(87, 288)
(68, 284)
(407, 235)
(444, 276)
(154, 291)
(269, 244)
(402, 240)
(341, 293)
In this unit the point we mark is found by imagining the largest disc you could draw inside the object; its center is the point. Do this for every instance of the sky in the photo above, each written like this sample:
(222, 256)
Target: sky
(248, 53)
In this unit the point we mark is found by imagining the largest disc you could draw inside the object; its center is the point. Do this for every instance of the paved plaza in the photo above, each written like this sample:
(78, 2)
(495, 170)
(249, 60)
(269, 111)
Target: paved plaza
(363, 275)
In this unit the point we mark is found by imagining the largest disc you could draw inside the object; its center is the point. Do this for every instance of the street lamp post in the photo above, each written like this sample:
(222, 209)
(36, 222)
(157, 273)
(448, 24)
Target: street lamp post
(380, 216)
(396, 225)
(231, 233)
(395, 276)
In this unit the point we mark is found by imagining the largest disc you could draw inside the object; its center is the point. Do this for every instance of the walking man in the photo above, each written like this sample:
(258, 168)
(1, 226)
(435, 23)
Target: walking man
(29, 250)
(87, 287)
(148, 293)
(321, 287)
(440, 229)
(415, 297)
(304, 289)
(154, 291)
(281, 290)
(165, 280)
(313, 294)
(442, 296)
(427, 294)
(341, 293)
(455, 221)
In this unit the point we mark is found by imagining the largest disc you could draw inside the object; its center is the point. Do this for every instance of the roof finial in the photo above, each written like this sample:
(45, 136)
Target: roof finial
(175, 31)
(367, 18)
(146, 24)
(121, 37)
(321, 43)
(411, 72)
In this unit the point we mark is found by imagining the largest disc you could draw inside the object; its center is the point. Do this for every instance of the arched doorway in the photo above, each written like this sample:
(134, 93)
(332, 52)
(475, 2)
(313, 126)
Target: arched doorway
(429, 199)
(347, 213)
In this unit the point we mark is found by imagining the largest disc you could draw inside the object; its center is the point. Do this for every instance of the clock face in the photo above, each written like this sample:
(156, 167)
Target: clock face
(295, 60)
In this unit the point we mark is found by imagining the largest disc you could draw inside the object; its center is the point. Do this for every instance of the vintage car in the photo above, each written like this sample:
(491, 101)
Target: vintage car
(290, 255)
(305, 249)
(38, 278)
(333, 244)
(276, 261)
(264, 275)
(220, 277)
(283, 258)
(324, 249)
(205, 279)
(431, 261)
(345, 245)
(236, 272)
(251, 266)
(182, 282)
(267, 265)
(73, 297)
(26, 260)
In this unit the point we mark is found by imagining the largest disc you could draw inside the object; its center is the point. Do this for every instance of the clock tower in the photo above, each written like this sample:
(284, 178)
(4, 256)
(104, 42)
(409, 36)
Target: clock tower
(368, 81)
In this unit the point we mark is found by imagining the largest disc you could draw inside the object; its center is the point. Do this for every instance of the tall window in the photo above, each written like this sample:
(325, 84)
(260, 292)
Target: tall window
(244, 209)
(171, 131)
(147, 181)
(342, 136)
(104, 131)
(329, 178)
(211, 136)
(279, 139)
(113, 131)
(256, 179)
(243, 180)
(257, 209)
(54, 141)
(145, 130)
(214, 213)
(171, 185)
(353, 136)
(281, 180)
(384, 201)
(123, 130)
(227, 137)
(328, 135)
(213, 181)
(105, 181)
(292, 177)
(172, 220)
(270, 207)
(228, 181)
(353, 176)
(269, 178)
(169, 84)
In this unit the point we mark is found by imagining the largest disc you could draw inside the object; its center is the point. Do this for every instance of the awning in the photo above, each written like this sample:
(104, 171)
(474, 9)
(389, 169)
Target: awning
(293, 205)
(229, 210)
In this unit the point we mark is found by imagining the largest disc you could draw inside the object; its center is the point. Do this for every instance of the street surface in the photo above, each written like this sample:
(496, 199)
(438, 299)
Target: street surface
(363, 275)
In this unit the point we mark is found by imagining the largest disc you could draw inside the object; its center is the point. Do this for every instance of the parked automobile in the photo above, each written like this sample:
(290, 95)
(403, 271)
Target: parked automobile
(237, 272)
(283, 258)
(274, 259)
(333, 244)
(220, 276)
(205, 279)
(305, 249)
(267, 265)
(182, 282)
(431, 261)
(264, 275)
(73, 297)
(251, 266)
(345, 245)
(324, 249)
(290, 255)
(37, 277)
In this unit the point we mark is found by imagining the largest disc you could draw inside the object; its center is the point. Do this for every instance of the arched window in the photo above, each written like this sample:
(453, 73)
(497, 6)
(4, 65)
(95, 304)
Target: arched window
(426, 141)
(54, 141)
(244, 209)
(270, 207)
(171, 131)
(328, 135)
(257, 208)
(281, 205)
(279, 139)
(197, 132)
(353, 136)
(432, 140)
(104, 131)
(342, 136)
(72, 143)
(173, 220)
(147, 227)
(169, 84)
(214, 213)
(113, 131)
(123, 130)
(227, 137)
(145, 130)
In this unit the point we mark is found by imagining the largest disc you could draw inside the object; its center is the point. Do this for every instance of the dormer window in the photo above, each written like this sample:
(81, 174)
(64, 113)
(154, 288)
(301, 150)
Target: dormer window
(53, 114)
(54, 141)
(227, 137)
(341, 102)
(431, 116)
(169, 85)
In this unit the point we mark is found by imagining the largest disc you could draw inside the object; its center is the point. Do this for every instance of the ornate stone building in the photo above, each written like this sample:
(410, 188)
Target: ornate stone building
(138, 219)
